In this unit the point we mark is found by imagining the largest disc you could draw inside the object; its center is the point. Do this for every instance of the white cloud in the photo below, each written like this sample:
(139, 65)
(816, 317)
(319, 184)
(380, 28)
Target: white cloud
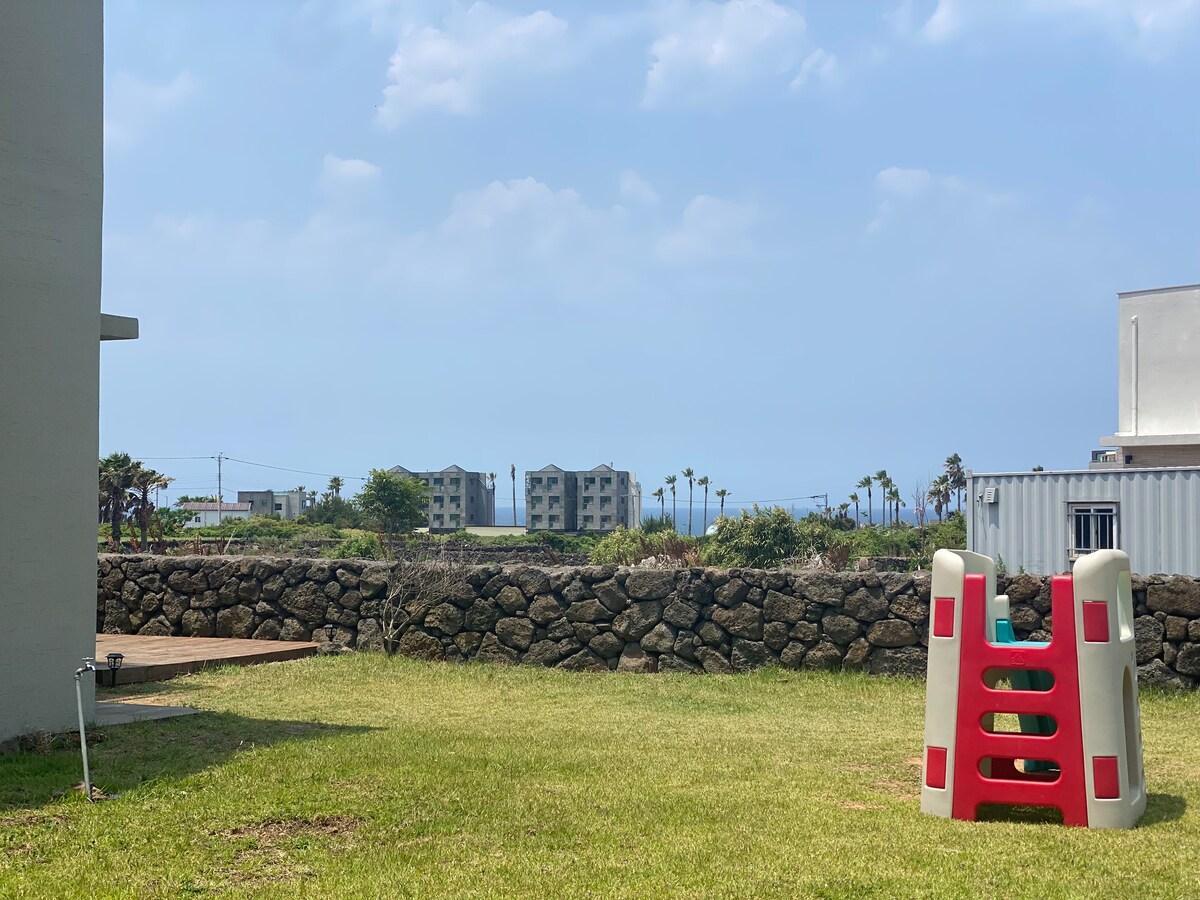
(1151, 28)
(506, 239)
(708, 52)
(131, 106)
(636, 189)
(342, 177)
(710, 228)
(451, 69)
(820, 65)
(900, 188)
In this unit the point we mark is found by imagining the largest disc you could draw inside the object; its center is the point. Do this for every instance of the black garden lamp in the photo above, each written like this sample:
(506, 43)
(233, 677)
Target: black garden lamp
(329, 633)
(114, 663)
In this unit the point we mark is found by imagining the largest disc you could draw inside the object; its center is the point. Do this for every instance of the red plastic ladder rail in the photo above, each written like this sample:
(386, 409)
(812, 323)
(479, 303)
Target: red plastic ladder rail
(1064, 790)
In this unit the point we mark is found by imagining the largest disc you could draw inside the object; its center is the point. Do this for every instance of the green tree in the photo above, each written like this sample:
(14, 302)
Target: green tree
(882, 480)
(660, 496)
(866, 482)
(704, 483)
(853, 498)
(392, 503)
(721, 495)
(671, 484)
(939, 495)
(691, 479)
(956, 476)
(116, 478)
(144, 481)
(336, 483)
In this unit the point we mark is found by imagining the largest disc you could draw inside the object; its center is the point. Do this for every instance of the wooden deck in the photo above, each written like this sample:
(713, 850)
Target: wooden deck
(160, 658)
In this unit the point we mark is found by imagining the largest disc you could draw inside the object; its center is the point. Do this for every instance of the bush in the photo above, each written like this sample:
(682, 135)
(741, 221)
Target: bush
(364, 545)
(764, 539)
(628, 547)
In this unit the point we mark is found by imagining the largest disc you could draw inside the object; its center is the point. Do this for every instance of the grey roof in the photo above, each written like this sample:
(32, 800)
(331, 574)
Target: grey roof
(212, 507)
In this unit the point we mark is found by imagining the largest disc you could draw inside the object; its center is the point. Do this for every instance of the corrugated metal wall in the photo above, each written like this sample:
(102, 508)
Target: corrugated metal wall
(1158, 517)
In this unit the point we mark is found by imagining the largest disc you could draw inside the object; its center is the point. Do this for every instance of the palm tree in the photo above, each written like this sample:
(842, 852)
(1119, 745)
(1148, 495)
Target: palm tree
(894, 499)
(670, 479)
(939, 494)
(853, 498)
(116, 478)
(866, 482)
(704, 483)
(336, 483)
(881, 479)
(142, 482)
(512, 470)
(491, 486)
(661, 495)
(721, 495)
(843, 510)
(691, 478)
(956, 476)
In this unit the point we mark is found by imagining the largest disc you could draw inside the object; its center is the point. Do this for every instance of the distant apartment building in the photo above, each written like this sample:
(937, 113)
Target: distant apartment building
(457, 498)
(599, 499)
(550, 500)
(202, 514)
(287, 505)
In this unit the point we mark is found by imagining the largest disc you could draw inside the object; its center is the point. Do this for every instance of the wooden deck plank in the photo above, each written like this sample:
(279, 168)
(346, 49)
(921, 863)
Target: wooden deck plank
(160, 658)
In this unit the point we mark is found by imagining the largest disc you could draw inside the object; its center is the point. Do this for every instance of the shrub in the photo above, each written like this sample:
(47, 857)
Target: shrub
(364, 545)
(628, 547)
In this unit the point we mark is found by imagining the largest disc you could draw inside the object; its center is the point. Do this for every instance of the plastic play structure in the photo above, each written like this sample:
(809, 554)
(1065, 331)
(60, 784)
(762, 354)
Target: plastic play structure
(1079, 744)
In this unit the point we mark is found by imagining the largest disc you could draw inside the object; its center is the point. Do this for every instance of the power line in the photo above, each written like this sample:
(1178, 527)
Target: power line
(247, 462)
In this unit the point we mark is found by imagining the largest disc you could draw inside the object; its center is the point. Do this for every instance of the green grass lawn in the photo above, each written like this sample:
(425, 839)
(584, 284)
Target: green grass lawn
(368, 777)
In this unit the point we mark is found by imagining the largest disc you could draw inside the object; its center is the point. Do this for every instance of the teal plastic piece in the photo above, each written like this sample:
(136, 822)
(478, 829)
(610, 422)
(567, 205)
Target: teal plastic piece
(1028, 680)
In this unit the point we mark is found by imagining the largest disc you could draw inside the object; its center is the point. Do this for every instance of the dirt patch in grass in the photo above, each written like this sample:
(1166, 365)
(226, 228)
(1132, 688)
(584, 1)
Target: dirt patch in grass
(274, 831)
(28, 819)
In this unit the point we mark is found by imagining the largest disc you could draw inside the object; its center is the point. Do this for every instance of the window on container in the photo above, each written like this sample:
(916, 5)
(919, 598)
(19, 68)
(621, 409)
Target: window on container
(1091, 527)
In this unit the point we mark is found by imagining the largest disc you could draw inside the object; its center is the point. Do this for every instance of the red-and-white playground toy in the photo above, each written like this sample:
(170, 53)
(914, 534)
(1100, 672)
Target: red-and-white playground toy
(1079, 748)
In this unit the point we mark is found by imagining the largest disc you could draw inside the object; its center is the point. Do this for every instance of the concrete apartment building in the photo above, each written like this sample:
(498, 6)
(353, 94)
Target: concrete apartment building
(457, 498)
(1141, 493)
(550, 500)
(599, 499)
(51, 190)
(287, 505)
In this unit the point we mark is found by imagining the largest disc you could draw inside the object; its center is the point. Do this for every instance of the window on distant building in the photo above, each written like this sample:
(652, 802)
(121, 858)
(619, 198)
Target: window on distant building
(438, 482)
(1091, 527)
(587, 520)
(439, 500)
(552, 481)
(606, 501)
(278, 507)
(553, 520)
(456, 498)
(454, 518)
(197, 519)
(536, 520)
(555, 499)
(455, 482)
(587, 501)
(589, 480)
(605, 482)
(438, 519)
(535, 480)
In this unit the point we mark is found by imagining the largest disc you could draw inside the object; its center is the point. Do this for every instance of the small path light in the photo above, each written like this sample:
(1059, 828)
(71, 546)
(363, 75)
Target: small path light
(114, 662)
(329, 633)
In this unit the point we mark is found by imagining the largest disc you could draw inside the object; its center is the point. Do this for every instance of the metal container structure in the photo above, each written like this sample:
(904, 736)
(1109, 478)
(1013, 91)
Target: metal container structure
(1043, 521)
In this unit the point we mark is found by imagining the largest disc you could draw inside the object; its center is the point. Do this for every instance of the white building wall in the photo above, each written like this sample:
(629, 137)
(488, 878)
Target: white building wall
(1158, 517)
(1168, 362)
(51, 179)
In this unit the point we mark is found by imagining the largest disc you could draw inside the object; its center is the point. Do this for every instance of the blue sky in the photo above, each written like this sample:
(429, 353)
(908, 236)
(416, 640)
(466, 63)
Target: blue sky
(786, 244)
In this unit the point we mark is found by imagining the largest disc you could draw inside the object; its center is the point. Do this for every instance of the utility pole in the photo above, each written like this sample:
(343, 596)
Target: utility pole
(219, 490)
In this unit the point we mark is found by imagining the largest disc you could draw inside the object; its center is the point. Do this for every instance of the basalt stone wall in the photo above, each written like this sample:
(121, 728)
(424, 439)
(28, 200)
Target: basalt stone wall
(605, 617)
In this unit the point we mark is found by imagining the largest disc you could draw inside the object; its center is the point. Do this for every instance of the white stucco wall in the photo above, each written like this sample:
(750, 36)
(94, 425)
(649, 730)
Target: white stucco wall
(51, 177)
(1168, 361)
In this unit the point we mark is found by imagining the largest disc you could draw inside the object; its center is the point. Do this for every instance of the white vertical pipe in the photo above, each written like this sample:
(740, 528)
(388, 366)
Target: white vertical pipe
(1133, 358)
